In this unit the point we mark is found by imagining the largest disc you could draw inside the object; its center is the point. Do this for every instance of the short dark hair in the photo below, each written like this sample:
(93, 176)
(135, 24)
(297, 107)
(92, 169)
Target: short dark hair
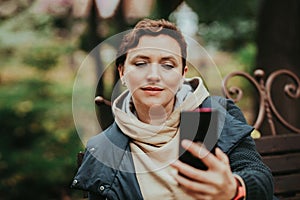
(152, 28)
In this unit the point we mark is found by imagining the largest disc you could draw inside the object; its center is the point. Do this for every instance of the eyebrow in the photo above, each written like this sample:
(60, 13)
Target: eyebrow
(140, 56)
(166, 58)
(172, 58)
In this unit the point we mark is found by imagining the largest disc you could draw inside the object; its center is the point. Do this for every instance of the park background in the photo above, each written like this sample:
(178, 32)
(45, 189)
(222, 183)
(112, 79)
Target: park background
(44, 42)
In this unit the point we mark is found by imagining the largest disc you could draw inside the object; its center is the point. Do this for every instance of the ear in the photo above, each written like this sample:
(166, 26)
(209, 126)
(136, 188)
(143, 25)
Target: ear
(121, 70)
(121, 74)
(184, 71)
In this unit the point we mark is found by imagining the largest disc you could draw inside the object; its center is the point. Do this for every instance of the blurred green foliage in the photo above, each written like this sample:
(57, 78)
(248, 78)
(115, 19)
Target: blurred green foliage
(41, 57)
(38, 140)
(39, 143)
(228, 37)
(44, 57)
(246, 55)
(226, 24)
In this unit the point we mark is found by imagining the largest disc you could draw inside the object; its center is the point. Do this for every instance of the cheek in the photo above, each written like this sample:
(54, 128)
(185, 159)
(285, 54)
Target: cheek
(174, 87)
(174, 82)
(133, 82)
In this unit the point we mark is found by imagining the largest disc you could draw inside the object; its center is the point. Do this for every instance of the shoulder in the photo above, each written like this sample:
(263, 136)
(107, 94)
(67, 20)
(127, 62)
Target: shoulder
(96, 139)
(232, 123)
(111, 136)
(225, 104)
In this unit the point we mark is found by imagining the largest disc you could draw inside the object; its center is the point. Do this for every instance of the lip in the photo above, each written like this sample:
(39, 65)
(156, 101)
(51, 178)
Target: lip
(152, 90)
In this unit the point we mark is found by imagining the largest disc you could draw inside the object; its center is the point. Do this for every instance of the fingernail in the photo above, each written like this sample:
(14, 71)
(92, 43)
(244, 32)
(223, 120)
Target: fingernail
(203, 152)
(186, 143)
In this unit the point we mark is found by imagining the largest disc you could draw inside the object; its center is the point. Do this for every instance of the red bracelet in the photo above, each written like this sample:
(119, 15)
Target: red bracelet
(240, 191)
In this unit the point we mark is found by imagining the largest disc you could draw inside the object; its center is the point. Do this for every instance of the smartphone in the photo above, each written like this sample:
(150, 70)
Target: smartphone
(200, 125)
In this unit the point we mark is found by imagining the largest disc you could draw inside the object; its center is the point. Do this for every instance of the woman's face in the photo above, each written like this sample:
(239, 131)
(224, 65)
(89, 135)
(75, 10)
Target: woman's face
(153, 71)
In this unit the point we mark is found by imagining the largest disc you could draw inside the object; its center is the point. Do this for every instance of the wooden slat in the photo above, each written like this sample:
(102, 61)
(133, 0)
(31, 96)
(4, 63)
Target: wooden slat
(278, 143)
(297, 197)
(283, 163)
(282, 154)
(287, 183)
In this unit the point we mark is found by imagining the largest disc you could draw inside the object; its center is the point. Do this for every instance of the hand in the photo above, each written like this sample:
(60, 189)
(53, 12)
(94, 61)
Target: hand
(217, 182)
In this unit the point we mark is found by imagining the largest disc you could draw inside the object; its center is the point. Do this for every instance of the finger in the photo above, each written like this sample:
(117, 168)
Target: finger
(193, 186)
(188, 170)
(198, 195)
(222, 156)
(196, 149)
(191, 172)
(200, 152)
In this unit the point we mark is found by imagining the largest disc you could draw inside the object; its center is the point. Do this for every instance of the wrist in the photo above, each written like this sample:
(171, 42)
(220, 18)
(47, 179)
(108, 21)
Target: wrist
(240, 188)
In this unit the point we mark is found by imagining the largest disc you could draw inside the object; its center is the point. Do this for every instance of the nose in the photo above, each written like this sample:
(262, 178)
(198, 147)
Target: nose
(153, 73)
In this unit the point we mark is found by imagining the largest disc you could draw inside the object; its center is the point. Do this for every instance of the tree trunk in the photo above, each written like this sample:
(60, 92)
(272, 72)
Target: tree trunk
(278, 41)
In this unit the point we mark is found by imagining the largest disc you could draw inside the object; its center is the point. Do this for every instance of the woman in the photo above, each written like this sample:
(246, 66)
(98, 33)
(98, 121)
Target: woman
(136, 157)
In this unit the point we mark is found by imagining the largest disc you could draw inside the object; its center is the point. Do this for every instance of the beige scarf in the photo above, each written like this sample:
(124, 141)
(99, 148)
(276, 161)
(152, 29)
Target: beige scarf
(154, 147)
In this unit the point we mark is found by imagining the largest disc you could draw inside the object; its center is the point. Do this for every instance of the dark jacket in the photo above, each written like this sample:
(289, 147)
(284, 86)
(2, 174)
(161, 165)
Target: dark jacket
(107, 170)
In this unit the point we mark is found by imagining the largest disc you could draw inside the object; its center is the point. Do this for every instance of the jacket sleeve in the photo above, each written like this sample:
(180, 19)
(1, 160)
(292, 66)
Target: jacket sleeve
(246, 162)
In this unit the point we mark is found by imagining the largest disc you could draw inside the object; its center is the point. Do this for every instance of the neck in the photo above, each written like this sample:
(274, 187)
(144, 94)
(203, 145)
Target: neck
(155, 114)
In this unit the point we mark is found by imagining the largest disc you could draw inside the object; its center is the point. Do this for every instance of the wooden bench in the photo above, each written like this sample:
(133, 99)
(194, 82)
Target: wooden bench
(281, 152)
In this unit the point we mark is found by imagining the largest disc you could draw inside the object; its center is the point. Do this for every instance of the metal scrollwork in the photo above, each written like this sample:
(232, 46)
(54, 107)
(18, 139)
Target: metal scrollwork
(266, 105)
(291, 90)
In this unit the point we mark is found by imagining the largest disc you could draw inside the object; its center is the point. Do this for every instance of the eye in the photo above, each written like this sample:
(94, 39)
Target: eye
(140, 63)
(167, 66)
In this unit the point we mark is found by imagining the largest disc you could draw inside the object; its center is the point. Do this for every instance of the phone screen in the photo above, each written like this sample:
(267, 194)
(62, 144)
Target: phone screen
(200, 125)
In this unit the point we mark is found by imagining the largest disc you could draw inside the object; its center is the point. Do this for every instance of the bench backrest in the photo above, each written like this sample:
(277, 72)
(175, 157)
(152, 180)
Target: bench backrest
(282, 154)
(279, 151)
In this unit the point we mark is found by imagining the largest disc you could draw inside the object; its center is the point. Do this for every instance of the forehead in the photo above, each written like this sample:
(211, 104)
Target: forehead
(162, 44)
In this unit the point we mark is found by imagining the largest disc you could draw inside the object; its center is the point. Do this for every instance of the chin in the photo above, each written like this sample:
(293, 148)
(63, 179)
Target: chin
(151, 104)
(156, 103)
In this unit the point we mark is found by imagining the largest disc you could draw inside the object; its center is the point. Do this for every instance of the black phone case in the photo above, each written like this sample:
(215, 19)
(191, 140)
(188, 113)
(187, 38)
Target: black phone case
(200, 125)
